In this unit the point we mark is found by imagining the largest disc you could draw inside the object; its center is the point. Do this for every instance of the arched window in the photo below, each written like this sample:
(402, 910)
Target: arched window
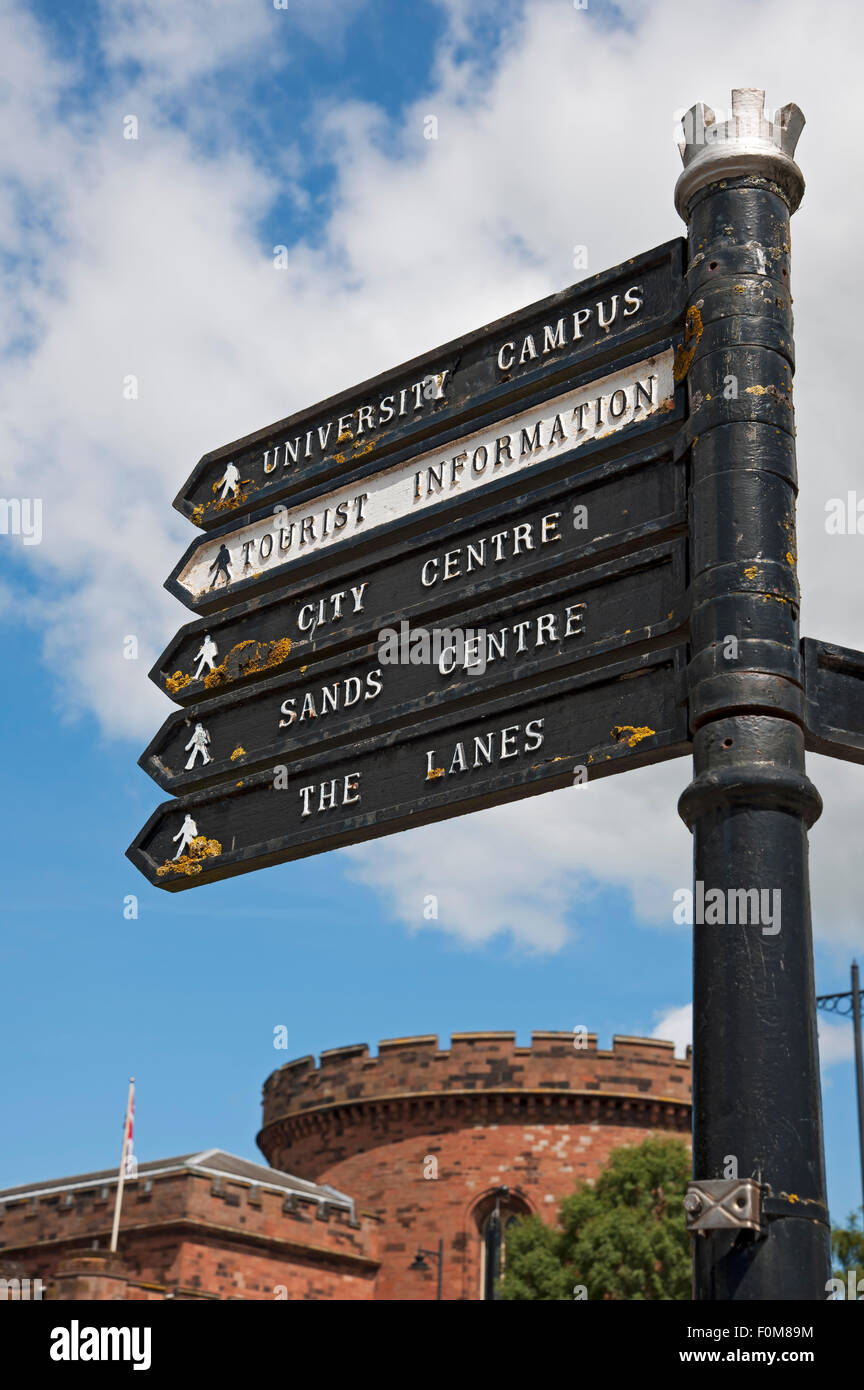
(497, 1214)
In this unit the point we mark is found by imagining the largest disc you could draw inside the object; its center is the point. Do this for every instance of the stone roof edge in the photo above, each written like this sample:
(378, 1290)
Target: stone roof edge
(302, 1188)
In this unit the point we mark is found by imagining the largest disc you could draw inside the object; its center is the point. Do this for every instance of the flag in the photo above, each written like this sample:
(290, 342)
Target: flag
(131, 1168)
(128, 1163)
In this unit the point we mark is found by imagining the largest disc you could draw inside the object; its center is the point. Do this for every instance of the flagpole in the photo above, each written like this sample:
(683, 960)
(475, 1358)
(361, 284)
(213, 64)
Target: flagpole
(122, 1175)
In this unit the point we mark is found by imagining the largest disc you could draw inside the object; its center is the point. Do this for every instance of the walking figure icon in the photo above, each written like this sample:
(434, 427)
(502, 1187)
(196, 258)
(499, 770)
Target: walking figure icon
(198, 743)
(231, 479)
(221, 565)
(205, 654)
(186, 834)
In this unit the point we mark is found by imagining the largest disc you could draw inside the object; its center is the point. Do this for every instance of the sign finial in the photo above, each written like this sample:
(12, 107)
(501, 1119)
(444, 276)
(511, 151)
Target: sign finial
(748, 142)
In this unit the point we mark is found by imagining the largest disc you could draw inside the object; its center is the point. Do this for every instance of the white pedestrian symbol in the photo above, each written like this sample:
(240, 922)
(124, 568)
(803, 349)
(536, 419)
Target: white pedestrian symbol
(198, 743)
(206, 652)
(231, 481)
(186, 834)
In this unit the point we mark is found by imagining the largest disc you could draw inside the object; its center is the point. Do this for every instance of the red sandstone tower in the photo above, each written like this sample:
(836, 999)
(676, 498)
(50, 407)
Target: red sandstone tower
(443, 1144)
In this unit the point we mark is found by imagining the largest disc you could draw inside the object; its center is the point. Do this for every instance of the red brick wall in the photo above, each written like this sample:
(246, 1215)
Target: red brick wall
(480, 1115)
(189, 1240)
(420, 1137)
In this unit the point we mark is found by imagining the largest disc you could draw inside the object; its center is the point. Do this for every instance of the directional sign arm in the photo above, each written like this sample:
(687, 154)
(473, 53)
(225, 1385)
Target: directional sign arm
(551, 437)
(834, 690)
(572, 731)
(612, 509)
(620, 310)
(407, 671)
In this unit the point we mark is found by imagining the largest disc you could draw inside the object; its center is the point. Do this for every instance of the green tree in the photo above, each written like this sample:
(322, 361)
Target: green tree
(847, 1247)
(623, 1238)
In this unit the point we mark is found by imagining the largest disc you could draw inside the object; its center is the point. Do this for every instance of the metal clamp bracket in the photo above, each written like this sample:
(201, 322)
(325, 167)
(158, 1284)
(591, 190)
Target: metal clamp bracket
(723, 1204)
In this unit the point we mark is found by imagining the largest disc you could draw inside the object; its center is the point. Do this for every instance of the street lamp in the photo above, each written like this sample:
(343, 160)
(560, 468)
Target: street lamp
(493, 1241)
(419, 1263)
(849, 1005)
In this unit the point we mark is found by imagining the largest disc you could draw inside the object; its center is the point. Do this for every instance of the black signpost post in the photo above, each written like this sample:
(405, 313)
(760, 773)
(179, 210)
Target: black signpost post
(596, 495)
(758, 1205)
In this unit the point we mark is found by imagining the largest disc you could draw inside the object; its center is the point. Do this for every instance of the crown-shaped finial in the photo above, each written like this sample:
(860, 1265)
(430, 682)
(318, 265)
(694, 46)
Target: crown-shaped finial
(747, 142)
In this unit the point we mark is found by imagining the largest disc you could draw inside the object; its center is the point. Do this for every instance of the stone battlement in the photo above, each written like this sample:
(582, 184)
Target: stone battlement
(149, 1202)
(423, 1136)
(188, 1234)
(476, 1062)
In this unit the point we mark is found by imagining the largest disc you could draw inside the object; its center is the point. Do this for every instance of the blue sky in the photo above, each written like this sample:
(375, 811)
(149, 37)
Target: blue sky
(303, 128)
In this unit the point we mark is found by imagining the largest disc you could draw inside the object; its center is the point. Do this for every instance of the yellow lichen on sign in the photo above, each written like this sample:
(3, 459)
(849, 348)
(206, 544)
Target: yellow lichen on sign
(630, 734)
(176, 682)
(226, 504)
(685, 351)
(217, 675)
(264, 656)
(191, 863)
(278, 652)
(239, 752)
(772, 391)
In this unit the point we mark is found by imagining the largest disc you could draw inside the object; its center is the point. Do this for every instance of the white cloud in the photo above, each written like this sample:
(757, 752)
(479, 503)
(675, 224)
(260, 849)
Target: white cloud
(529, 867)
(175, 44)
(172, 46)
(142, 257)
(676, 1025)
(835, 1043)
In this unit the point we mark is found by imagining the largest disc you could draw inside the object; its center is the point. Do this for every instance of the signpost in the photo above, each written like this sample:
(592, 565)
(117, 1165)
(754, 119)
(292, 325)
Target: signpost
(577, 619)
(590, 507)
(611, 509)
(757, 1108)
(495, 460)
(597, 321)
(568, 732)
(500, 567)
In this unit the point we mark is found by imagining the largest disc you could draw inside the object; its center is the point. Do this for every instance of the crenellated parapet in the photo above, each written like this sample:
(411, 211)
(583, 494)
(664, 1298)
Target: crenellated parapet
(481, 1077)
